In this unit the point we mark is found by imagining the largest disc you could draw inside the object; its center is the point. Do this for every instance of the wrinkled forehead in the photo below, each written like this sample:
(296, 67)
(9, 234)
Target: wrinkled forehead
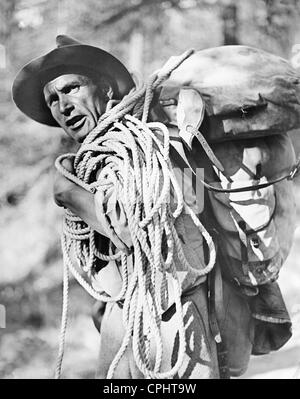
(60, 82)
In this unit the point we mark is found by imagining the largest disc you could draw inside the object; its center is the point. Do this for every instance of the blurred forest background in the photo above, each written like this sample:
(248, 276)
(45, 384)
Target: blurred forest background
(143, 34)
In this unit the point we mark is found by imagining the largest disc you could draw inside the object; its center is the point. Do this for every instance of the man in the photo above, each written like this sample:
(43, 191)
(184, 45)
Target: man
(70, 87)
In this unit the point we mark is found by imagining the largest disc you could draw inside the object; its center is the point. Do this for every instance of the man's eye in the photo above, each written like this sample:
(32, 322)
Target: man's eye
(72, 89)
(52, 101)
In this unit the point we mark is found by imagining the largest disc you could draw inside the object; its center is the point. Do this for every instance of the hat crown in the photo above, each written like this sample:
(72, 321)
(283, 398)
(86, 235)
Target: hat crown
(64, 40)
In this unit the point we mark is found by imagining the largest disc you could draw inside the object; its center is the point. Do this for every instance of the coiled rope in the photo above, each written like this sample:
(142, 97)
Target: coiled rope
(128, 156)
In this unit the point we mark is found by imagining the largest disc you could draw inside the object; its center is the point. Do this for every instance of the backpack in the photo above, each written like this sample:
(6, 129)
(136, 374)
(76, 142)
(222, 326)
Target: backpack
(233, 106)
(238, 103)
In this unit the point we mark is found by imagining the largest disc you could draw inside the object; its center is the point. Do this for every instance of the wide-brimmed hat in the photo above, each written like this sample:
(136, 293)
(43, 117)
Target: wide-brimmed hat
(70, 56)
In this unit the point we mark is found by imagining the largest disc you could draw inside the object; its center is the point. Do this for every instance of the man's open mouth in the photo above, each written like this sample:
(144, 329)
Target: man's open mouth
(75, 122)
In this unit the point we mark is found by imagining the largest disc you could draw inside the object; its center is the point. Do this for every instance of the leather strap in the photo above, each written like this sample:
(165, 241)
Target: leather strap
(190, 113)
(215, 307)
(179, 159)
(206, 147)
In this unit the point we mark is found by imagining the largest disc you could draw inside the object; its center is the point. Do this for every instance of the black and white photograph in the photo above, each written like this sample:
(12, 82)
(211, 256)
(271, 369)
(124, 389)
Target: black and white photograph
(150, 192)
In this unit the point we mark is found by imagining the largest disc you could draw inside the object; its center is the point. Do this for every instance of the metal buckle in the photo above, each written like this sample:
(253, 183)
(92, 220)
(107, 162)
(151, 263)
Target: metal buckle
(295, 170)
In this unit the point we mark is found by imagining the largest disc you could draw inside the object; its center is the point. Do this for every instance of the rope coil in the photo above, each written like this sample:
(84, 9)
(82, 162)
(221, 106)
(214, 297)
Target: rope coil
(129, 158)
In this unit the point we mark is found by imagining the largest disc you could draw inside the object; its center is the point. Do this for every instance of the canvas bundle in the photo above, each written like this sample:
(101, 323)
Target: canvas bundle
(247, 92)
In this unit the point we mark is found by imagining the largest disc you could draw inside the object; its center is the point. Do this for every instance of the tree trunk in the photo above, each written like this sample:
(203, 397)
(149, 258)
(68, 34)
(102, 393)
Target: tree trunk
(230, 24)
(7, 25)
(136, 52)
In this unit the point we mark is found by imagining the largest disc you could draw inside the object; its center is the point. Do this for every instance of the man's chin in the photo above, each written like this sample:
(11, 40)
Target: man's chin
(80, 138)
(80, 134)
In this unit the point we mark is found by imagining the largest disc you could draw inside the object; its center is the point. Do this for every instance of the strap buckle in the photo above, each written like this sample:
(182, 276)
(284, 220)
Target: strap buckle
(295, 170)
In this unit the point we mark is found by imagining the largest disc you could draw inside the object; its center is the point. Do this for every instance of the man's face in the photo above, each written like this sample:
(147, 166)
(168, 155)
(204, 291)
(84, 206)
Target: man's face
(75, 103)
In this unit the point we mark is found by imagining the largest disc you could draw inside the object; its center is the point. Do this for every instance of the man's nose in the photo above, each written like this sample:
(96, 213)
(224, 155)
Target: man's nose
(65, 106)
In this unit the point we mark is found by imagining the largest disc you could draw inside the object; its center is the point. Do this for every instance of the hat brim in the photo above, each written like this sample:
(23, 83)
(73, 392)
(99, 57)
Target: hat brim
(27, 90)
